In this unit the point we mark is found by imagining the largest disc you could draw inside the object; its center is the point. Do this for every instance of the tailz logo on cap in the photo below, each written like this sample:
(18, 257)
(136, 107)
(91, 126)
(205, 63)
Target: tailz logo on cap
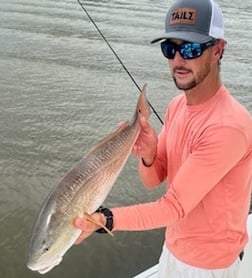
(183, 16)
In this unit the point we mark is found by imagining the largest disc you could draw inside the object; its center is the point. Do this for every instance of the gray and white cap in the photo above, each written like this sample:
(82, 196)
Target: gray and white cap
(193, 21)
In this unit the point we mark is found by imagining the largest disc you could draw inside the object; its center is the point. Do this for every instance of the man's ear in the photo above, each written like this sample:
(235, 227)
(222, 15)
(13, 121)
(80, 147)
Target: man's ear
(219, 49)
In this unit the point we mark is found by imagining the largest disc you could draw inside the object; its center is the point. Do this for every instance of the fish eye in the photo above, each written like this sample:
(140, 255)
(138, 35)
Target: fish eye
(45, 248)
(139, 110)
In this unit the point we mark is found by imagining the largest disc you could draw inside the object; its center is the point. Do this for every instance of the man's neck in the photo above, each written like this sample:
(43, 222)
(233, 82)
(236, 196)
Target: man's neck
(204, 91)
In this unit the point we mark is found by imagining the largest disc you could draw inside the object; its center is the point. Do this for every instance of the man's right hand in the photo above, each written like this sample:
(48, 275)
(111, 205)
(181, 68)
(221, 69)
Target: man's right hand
(146, 144)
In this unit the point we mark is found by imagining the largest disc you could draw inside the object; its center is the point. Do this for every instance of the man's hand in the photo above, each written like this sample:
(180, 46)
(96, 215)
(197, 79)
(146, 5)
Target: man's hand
(89, 224)
(146, 144)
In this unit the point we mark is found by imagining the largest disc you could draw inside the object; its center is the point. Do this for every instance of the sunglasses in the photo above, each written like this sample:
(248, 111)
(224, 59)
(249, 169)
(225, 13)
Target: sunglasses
(187, 50)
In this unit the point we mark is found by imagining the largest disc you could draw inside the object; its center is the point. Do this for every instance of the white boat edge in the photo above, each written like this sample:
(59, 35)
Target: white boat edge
(245, 268)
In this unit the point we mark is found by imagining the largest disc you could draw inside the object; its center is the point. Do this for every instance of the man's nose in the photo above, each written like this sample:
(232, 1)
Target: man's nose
(178, 59)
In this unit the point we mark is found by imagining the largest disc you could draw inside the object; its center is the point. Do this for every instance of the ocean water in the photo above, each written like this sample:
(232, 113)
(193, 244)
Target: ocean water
(62, 90)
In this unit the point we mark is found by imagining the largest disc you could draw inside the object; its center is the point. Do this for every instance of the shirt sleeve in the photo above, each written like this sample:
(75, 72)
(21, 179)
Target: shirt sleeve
(216, 153)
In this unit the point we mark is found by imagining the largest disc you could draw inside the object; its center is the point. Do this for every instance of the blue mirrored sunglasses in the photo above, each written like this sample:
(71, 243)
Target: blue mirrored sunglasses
(187, 50)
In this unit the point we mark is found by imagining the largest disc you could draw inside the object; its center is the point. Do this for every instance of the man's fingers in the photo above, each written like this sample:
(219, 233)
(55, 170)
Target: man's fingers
(79, 223)
(136, 150)
(80, 238)
(144, 124)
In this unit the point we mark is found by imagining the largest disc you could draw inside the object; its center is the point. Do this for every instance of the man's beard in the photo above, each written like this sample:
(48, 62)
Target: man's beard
(200, 76)
(187, 86)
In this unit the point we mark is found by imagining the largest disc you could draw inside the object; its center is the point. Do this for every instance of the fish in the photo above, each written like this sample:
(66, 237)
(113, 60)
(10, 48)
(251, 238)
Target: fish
(81, 191)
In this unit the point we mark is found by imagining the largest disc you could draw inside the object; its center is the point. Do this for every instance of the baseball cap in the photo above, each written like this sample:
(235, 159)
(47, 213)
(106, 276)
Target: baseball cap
(193, 21)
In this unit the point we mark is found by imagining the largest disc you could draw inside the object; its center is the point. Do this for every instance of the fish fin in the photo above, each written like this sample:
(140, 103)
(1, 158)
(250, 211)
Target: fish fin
(92, 220)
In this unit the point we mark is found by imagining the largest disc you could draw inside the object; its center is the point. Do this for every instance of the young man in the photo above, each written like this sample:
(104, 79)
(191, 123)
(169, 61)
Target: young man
(204, 151)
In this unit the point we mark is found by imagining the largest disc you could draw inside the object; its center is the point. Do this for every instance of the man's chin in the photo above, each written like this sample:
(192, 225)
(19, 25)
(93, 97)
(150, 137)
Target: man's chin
(185, 86)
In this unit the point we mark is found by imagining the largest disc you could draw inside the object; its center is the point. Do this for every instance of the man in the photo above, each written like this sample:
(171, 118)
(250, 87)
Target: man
(204, 150)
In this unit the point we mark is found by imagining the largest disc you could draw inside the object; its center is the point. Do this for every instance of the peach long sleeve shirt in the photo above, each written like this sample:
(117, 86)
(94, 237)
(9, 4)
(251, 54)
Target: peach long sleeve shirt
(205, 153)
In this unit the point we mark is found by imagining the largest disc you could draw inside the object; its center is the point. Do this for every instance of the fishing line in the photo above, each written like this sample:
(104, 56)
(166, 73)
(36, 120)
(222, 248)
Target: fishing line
(116, 55)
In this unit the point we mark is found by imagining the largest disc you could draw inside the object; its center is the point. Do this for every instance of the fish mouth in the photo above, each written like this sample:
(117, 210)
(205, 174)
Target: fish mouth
(43, 268)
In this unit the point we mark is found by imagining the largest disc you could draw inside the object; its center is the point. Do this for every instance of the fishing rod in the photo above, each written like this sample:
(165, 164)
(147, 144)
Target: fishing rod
(117, 57)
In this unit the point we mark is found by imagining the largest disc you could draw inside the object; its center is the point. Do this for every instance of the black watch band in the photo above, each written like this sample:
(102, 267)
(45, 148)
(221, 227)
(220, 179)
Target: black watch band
(109, 219)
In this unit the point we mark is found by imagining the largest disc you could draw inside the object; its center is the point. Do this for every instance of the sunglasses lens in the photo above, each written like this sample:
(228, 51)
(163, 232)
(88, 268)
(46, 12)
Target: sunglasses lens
(186, 50)
(190, 50)
(168, 50)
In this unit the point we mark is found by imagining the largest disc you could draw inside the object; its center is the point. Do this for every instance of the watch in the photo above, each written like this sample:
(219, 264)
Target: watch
(109, 219)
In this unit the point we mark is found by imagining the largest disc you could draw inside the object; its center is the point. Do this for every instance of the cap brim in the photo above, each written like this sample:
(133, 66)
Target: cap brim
(185, 36)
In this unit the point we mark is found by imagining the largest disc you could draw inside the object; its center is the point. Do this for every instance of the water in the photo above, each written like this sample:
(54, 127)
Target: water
(62, 90)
